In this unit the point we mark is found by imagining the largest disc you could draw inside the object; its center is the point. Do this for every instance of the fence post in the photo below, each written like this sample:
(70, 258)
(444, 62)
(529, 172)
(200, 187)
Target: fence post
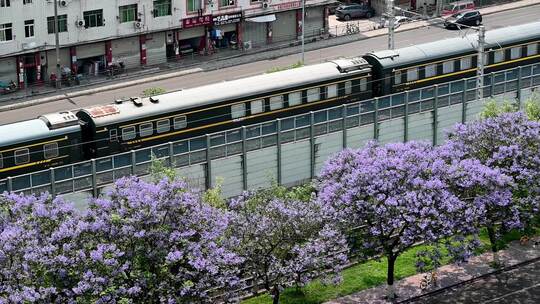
(278, 146)
(435, 114)
(376, 119)
(244, 159)
(464, 102)
(133, 163)
(344, 125)
(518, 94)
(10, 184)
(492, 75)
(94, 179)
(312, 144)
(406, 118)
(171, 155)
(208, 164)
(53, 182)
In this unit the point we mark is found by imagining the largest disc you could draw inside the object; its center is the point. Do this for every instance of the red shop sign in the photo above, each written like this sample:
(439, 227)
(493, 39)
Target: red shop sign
(196, 21)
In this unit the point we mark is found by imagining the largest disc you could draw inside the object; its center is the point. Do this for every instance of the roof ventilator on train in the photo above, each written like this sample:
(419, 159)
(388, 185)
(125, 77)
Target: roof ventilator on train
(349, 65)
(136, 101)
(59, 120)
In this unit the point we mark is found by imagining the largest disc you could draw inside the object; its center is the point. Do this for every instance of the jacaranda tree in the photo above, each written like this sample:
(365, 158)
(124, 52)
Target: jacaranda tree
(399, 195)
(510, 143)
(286, 242)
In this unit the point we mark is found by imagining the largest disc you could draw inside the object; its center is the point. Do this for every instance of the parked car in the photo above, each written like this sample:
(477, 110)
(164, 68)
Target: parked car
(469, 18)
(333, 6)
(457, 7)
(349, 11)
(398, 20)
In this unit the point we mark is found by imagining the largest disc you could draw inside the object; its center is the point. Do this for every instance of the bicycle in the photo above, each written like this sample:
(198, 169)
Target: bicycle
(352, 29)
(429, 280)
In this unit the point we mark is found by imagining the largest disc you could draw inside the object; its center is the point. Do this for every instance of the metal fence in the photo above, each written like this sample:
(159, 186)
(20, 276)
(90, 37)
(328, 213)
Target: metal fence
(291, 150)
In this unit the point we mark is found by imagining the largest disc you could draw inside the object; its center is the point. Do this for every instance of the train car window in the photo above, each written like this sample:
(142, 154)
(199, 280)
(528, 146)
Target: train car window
(128, 133)
(515, 52)
(313, 94)
(276, 102)
(430, 70)
(412, 74)
(163, 126)
(295, 98)
(257, 106)
(348, 87)
(113, 135)
(363, 84)
(397, 77)
(331, 91)
(146, 129)
(465, 63)
(1, 161)
(498, 56)
(22, 156)
(238, 110)
(532, 49)
(180, 122)
(448, 67)
(50, 150)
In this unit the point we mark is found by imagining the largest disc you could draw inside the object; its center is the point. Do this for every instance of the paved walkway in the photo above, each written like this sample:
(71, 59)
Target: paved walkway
(452, 275)
(219, 60)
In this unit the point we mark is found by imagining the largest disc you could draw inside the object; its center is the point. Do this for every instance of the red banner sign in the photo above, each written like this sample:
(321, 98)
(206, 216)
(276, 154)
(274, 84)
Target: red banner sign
(289, 5)
(196, 21)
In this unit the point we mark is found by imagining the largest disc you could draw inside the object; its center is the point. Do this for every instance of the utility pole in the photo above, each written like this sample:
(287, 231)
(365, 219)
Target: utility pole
(480, 65)
(391, 18)
(57, 42)
(303, 32)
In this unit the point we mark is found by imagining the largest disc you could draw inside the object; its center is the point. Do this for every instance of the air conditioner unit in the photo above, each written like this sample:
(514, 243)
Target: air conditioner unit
(265, 4)
(137, 24)
(247, 45)
(63, 3)
(231, 2)
(79, 23)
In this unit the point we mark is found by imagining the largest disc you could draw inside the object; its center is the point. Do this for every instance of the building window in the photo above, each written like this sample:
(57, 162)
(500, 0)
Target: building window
(257, 106)
(313, 94)
(180, 122)
(412, 74)
(163, 126)
(27, 1)
(162, 8)
(128, 13)
(348, 87)
(515, 52)
(5, 3)
(295, 98)
(532, 49)
(430, 70)
(465, 63)
(331, 91)
(146, 129)
(62, 24)
(29, 28)
(363, 84)
(448, 67)
(22, 156)
(223, 3)
(113, 135)
(193, 5)
(128, 133)
(93, 18)
(6, 32)
(498, 56)
(397, 77)
(238, 110)
(50, 150)
(276, 102)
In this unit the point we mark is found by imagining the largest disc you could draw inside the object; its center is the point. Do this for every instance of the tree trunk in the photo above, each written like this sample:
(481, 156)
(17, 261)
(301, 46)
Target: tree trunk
(492, 238)
(275, 294)
(391, 294)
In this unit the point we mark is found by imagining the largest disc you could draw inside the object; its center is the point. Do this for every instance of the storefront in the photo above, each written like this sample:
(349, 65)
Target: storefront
(127, 51)
(8, 70)
(89, 58)
(155, 48)
(192, 38)
(224, 32)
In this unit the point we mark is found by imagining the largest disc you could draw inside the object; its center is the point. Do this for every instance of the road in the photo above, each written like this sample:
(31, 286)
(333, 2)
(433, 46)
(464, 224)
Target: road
(520, 286)
(402, 39)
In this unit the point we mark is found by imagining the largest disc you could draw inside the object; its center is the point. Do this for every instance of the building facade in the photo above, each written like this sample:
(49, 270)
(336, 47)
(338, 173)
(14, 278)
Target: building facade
(97, 35)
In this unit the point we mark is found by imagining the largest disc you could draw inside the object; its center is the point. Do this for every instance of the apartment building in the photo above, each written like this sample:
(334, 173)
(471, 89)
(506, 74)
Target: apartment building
(94, 35)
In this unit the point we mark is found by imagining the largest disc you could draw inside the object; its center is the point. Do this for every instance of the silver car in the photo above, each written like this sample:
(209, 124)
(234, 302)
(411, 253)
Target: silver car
(349, 11)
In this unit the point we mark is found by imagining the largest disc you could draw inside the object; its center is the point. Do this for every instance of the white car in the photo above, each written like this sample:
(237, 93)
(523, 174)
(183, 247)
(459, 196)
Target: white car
(398, 20)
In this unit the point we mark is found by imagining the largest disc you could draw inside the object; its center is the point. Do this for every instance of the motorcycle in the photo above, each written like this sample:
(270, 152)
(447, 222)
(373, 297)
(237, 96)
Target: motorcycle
(6, 88)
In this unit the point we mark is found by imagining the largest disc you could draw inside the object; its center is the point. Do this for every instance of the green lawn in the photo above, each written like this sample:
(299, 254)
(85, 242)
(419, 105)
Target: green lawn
(359, 277)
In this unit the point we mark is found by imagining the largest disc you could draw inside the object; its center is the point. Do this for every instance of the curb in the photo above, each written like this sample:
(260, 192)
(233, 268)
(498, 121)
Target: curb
(33, 102)
(443, 289)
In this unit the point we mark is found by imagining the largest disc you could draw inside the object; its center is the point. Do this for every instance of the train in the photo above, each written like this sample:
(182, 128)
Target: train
(70, 136)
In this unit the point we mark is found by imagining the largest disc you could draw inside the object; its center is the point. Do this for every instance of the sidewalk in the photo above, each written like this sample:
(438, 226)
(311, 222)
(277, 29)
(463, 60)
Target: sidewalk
(448, 276)
(222, 60)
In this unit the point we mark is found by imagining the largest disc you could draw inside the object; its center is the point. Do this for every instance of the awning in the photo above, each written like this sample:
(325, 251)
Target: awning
(265, 18)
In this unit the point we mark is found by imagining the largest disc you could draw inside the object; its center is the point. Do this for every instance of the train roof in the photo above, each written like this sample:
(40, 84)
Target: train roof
(226, 90)
(36, 129)
(454, 46)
